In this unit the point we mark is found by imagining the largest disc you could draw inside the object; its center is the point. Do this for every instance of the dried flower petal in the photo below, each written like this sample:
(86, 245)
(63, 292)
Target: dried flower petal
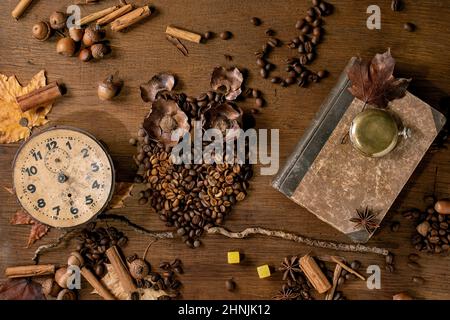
(160, 82)
(226, 117)
(227, 81)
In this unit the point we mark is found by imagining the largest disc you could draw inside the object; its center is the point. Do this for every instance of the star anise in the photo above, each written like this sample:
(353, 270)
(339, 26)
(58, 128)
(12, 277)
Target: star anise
(367, 220)
(286, 293)
(290, 267)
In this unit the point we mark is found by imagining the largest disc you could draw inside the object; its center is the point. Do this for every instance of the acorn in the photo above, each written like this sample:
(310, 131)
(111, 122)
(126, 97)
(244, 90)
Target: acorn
(93, 35)
(66, 294)
(58, 20)
(99, 50)
(50, 288)
(75, 259)
(66, 46)
(85, 55)
(42, 31)
(76, 34)
(61, 277)
(139, 269)
(109, 88)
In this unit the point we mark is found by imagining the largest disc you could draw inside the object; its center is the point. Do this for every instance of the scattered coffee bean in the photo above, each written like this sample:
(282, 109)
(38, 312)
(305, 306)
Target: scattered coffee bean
(350, 276)
(390, 268)
(226, 35)
(259, 102)
(409, 26)
(263, 73)
(270, 32)
(413, 257)
(208, 35)
(132, 141)
(390, 258)
(256, 93)
(355, 265)
(396, 5)
(256, 21)
(395, 226)
(413, 265)
(341, 281)
(418, 280)
(230, 285)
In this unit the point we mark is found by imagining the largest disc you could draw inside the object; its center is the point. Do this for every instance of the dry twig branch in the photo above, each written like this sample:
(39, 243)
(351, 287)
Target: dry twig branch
(347, 247)
(65, 235)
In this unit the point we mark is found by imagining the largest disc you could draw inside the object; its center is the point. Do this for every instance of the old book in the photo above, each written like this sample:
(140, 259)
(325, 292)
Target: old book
(332, 180)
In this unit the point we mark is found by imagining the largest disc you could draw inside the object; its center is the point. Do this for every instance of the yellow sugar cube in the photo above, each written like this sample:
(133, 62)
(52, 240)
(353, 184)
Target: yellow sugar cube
(234, 257)
(263, 271)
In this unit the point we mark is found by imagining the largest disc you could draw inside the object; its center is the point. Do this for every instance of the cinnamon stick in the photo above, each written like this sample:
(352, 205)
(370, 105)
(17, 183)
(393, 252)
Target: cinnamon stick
(344, 266)
(121, 270)
(39, 97)
(131, 18)
(336, 275)
(314, 274)
(30, 271)
(183, 34)
(97, 15)
(114, 15)
(20, 8)
(96, 284)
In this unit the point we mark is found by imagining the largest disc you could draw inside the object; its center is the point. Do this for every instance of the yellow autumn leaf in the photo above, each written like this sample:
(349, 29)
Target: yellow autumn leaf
(10, 114)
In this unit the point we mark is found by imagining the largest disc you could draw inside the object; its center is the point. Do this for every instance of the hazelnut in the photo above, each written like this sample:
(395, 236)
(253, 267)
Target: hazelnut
(99, 50)
(402, 296)
(61, 277)
(58, 20)
(42, 31)
(85, 55)
(66, 46)
(76, 34)
(75, 259)
(139, 269)
(93, 35)
(67, 294)
(109, 88)
(50, 288)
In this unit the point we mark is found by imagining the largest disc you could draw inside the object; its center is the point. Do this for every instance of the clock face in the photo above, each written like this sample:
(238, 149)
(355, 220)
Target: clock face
(63, 177)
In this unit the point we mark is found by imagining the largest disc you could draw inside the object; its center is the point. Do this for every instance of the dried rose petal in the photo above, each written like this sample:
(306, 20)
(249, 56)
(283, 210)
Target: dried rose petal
(225, 116)
(227, 81)
(165, 117)
(160, 82)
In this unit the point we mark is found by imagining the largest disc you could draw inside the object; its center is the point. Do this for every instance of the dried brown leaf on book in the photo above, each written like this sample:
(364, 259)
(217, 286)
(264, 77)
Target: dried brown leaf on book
(111, 281)
(37, 231)
(21, 289)
(121, 192)
(373, 82)
(15, 124)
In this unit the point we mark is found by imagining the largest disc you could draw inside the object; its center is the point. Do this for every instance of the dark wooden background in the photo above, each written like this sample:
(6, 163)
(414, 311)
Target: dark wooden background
(143, 51)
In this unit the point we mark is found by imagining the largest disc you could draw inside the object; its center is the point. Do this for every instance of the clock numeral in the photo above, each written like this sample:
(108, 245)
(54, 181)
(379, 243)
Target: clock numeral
(51, 145)
(37, 156)
(95, 185)
(95, 167)
(31, 188)
(85, 152)
(89, 200)
(41, 203)
(31, 171)
(57, 209)
(69, 145)
(73, 210)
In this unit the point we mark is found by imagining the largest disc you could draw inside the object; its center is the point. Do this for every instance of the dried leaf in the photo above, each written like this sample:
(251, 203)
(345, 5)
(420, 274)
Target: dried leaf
(374, 82)
(111, 281)
(21, 289)
(10, 113)
(122, 191)
(37, 231)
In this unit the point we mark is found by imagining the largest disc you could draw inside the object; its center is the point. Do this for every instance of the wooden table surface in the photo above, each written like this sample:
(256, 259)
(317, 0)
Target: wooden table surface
(143, 51)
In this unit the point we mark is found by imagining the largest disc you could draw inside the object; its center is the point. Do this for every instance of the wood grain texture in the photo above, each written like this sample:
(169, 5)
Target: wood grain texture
(143, 51)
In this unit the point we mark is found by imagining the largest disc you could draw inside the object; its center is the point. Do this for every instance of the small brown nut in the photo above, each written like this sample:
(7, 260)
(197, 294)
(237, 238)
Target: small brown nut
(442, 206)
(402, 296)
(61, 277)
(99, 50)
(139, 269)
(66, 47)
(85, 55)
(50, 288)
(76, 34)
(92, 36)
(66, 294)
(58, 20)
(75, 259)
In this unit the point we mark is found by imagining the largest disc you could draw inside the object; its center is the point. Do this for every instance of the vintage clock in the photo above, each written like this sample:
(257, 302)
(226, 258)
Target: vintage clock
(63, 177)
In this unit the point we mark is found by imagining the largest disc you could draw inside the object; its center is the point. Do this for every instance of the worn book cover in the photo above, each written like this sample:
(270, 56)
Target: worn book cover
(333, 180)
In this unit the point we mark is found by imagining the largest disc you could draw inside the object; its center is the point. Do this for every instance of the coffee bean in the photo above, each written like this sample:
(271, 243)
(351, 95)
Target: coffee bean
(259, 102)
(389, 258)
(208, 35)
(226, 35)
(341, 281)
(316, 2)
(261, 62)
(256, 93)
(390, 268)
(275, 80)
(230, 285)
(396, 5)
(269, 32)
(263, 73)
(299, 24)
(350, 276)
(409, 26)
(355, 265)
(395, 226)
(414, 265)
(256, 21)
(413, 257)
(418, 280)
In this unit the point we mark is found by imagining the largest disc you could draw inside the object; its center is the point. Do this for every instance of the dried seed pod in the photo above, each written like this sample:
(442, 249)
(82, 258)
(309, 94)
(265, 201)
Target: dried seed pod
(85, 55)
(109, 88)
(99, 50)
(75, 259)
(66, 46)
(58, 20)
(61, 277)
(42, 31)
(93, 35)
(50, 288)
(160, 82)
(67, 294)
(227, 81)
(139, 269)
(227, 117)
(76, 34)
